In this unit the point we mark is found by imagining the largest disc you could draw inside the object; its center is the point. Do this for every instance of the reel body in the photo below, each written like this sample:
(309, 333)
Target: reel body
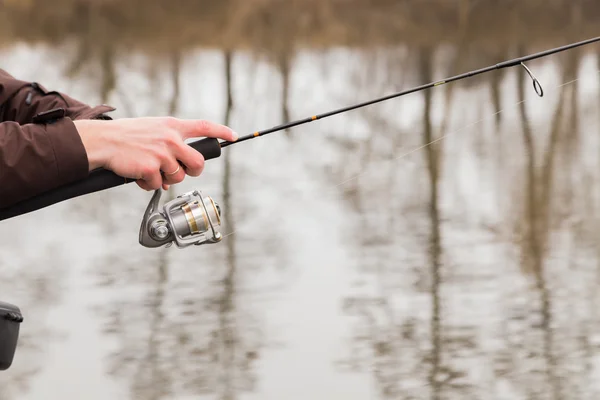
(189, 219)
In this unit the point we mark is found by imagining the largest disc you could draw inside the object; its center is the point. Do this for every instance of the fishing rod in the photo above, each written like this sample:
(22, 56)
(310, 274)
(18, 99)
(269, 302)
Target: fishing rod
(194, 219)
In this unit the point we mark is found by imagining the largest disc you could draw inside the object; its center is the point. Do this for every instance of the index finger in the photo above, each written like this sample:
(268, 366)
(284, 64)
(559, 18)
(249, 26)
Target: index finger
(193, 128)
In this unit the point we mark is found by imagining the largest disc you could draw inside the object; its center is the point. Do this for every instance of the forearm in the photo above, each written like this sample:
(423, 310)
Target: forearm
(39, 153)
(35, 158)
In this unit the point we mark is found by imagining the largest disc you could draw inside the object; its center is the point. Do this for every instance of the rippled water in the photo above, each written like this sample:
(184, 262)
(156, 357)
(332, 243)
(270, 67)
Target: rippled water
(361, 265)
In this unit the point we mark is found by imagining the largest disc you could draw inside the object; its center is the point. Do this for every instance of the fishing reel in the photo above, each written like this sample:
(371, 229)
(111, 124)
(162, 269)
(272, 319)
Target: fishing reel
(189, 219)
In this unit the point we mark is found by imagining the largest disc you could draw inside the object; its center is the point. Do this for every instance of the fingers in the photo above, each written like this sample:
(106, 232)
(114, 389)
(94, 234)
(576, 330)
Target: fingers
(170, 158)
(191, 159)
(192, 128)
(172, 171)
(142, 184)
(151, 180)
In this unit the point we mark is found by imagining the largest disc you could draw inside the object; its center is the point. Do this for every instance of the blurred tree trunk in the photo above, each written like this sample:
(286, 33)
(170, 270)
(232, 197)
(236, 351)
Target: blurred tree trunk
(175, 77)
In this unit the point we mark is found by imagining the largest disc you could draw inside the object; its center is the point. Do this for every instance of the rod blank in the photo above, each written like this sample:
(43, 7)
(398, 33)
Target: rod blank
(211, 148)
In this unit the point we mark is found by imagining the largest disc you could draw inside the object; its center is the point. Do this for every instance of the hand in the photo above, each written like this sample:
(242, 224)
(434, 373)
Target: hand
(140, 148)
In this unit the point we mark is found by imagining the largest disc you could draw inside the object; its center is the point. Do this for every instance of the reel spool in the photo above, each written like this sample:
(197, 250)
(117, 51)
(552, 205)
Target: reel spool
(189, 219)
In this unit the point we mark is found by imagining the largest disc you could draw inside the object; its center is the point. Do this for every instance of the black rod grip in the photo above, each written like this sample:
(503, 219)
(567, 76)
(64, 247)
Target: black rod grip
(210, 148)
(99, 179)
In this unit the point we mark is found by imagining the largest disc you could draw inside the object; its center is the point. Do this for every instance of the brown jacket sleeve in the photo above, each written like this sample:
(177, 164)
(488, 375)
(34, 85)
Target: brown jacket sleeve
(39, 150)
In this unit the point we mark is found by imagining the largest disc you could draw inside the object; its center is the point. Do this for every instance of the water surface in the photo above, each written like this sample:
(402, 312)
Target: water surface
(363, 263)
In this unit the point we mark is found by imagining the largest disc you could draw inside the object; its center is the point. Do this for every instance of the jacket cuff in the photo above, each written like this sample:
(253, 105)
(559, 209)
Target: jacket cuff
(97, 112)
(69, 153)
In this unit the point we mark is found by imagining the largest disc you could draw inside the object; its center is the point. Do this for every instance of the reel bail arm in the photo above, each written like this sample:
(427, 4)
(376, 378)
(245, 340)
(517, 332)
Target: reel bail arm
(189, 219)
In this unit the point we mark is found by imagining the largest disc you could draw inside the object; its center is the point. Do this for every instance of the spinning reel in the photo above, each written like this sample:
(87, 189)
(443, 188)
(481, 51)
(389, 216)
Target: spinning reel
(189, 219)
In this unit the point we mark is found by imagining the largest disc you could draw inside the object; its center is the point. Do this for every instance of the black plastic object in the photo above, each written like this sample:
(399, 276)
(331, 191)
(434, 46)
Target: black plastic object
(10, 322)
(100, 179)
(209, 148)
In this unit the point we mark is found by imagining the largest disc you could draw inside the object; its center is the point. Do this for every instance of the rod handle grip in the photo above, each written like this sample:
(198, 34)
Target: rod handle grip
(210, 148)
(97, 180)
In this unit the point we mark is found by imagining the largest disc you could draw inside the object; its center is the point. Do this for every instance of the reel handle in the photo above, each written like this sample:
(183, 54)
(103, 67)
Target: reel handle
(99, 179)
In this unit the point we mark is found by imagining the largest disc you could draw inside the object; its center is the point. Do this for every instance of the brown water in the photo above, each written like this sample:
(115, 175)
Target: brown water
(362, 265)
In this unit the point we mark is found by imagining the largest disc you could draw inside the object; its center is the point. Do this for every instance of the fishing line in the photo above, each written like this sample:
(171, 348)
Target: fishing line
(506, 64)
(455, 131)
(194, 219)
(423, 146)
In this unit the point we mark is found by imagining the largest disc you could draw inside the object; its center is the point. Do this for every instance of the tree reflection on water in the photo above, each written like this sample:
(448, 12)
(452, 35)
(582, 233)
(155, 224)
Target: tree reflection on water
(34, 283)
(538, 350)
(199, 340)
(476, 256)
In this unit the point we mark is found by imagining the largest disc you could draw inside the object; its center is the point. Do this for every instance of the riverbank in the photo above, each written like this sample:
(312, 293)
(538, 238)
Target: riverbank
(271, 25)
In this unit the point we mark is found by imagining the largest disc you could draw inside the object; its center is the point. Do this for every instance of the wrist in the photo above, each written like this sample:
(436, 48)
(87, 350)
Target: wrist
(91, 133)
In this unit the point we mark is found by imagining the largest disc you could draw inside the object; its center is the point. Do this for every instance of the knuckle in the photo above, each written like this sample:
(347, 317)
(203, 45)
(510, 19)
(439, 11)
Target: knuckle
(160, 155)
(171, 139)
(148, 170)
(191, 171)
(164, 158)
(194, 161)
(199, 161)
(196, 169)
(178, 178)
(203, 126)
(155, 182)
(171, 122)
(152, 154)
